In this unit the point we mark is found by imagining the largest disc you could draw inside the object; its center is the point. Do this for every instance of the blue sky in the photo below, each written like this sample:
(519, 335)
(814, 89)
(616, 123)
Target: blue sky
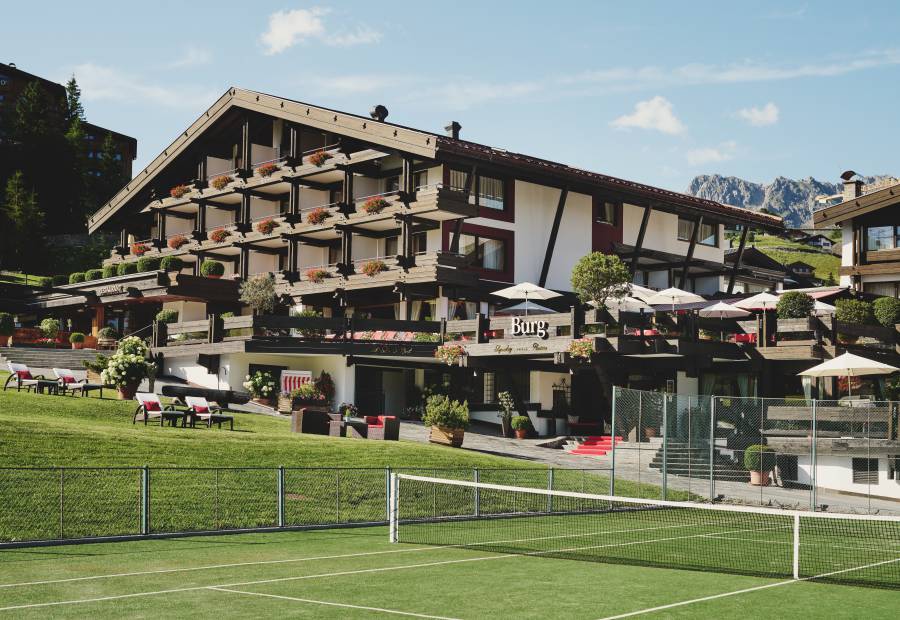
(651, 91)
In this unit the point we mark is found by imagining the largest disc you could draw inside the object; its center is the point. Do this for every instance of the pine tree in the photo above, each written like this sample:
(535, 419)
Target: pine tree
(112, 177)
(38, 117)
(27, 223)
(74, 109)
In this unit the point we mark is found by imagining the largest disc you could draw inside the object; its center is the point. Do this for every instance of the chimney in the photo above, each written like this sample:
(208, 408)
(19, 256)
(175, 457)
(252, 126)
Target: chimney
(852, 186)
(453, 130)
(379, 113)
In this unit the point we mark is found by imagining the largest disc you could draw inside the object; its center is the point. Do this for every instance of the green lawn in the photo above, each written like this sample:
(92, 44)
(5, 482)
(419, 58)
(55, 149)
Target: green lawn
(787, 252)
(359, 574)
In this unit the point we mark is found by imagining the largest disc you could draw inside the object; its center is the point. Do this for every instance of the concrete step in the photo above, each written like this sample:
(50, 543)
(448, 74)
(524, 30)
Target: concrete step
(46, 358)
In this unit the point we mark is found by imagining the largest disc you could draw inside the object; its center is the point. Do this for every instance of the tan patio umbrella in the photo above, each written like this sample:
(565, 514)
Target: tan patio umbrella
(760, 301)
(526, 291)
(722, 310)
(849, 365)
(674, 296)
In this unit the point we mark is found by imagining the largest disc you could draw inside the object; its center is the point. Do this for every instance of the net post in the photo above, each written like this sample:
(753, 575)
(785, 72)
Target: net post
(550, 488)
(612, 467)
(145, 500)
(280, 495)
(712, 448)
(813, 465)
(665, 446)
(796, 554)
(393, 498)
(475, 477)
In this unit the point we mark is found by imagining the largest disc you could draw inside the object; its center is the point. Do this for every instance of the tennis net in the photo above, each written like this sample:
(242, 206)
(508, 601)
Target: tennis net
(840, 548)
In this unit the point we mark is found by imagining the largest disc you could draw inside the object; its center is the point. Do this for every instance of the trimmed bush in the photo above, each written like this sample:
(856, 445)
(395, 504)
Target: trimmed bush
(212, 268)
(795, 305)
(50, 328)
(110, 271)
(854, 311)
(171, 263)
(45, 282)
(76, 278)
(147, 263)
(759, 458)
(108, 332)
(520, 422)
(126, 268)
(167, 316)
(94, 274)
(59, 280)
(76, 337)
(7, 324)
(887, 311)
(442, 412)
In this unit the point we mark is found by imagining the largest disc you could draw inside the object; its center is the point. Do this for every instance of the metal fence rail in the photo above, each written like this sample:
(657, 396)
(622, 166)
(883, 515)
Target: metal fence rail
(71, 503)
(821, 455)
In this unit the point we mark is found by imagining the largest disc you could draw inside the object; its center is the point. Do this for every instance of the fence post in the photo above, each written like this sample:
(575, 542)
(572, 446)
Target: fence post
(280, 495)
(796, 546)
(477, 493)
(612, 469)
(550, 488)
(712, 448)
(62, 504)
(145, 500)
(387, 487)
(813, 464)
(393, 505)
(665, 446)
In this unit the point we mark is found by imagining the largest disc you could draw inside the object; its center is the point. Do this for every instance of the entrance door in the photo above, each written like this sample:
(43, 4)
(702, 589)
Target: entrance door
(380, 391)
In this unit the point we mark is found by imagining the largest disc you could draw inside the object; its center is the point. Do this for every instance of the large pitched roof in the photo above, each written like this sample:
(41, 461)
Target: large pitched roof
(849, 209)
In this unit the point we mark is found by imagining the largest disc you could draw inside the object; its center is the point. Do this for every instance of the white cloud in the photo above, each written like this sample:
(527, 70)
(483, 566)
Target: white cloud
(192, 57)
(656, 114)
(760, 117)
(288, 28)
(712, 154)
(101, 83)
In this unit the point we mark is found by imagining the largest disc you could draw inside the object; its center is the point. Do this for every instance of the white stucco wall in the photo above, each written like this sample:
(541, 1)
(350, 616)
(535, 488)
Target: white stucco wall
(262, 263)
(218, 217)
(846, 250)
(261, 208)
(836, 472)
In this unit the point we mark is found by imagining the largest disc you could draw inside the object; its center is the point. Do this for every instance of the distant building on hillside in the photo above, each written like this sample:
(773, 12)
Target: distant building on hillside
(801, 275)
(758, 271)
(818, 241)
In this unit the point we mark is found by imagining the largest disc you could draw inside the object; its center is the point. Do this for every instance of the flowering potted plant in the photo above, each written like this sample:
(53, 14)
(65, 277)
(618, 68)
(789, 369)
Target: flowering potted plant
(348, 410)
(177, 241)
(179, 190)
(128, 366)
(212, 269)
(316, 274)
(450, 354)
(581, 349)
(375, 204)
(261, 387)
(221, 181)
(306, 394)
(320, 157)
(219, 235)
(317, 215)
(373, 267)
(507, 406)
(267, 170)
(448, 420)
(266, 226)
(139, 249)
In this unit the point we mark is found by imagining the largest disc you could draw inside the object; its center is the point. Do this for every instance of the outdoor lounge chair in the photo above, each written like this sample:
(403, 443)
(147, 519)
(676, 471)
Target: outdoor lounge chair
(151, 408)
(200, 409)
(22, 377)
(384, 427)
(68, 382)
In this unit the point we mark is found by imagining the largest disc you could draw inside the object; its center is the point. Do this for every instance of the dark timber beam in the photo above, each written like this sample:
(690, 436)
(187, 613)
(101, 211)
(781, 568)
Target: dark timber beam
(467, 191)
(737, 260)
(243, 224)
(160, 240)
(243, 170)
(695, 232)
(215, 204)
(638, 246)
(346, 265)
(295, 152)
(201, 182)
(554, 231)
(293, 215)
(199, 233)
(245, 263)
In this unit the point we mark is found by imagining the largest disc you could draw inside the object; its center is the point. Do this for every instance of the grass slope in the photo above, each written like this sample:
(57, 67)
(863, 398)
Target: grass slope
(787, 252)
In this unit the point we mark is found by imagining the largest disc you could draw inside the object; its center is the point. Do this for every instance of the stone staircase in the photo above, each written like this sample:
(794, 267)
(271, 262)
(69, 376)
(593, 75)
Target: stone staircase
(598, 445)
(38, 357)
(693, 462)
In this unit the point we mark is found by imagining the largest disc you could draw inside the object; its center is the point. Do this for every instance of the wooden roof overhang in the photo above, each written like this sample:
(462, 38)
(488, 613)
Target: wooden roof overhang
(862, 205)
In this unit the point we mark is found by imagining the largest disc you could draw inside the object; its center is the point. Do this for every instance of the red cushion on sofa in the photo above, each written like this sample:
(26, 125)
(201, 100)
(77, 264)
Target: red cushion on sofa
(23, 374)
(386, 417)
(373, 420)
(201, 409)
(151, 406)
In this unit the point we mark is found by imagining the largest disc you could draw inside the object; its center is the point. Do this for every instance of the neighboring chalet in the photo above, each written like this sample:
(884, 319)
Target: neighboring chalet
(870, 225)
(759, 271)
(801, 275)
(818, 241)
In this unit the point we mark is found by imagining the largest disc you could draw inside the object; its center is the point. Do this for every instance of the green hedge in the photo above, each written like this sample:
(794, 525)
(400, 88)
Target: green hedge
(759, 458)
(854, 311)
(60, 280)
(110, 271)
(76, 337)
(212, 268)
(45, 282)
(887, 311)
(795, 305)
(93, 274)
(167, 316)
(147, 263)
(76, 277)
(171, 263)
(126, 268)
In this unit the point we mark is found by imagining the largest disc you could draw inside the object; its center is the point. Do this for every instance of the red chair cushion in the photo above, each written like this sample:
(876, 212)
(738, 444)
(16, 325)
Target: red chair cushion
(68, 380)
(201, 409)
(23, 374)
(373, 420)
(152, 406)
(387, 417)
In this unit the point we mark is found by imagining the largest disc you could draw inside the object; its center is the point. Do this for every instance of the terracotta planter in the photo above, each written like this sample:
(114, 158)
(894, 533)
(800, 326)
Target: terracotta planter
(77, 345)
(211, 277)
(126, 392)
(5, 341)
(521, 433)
(759, 478)
(447, 436)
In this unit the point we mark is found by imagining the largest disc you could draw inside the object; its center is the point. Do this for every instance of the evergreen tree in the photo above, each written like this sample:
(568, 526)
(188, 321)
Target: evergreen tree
(38, 117)
(74, 109)
(112, 177)
(21, 208)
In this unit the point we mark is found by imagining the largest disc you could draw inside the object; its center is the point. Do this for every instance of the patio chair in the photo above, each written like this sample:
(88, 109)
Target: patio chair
(22, 376)
(382, 427)
(151, 408)
(68, 382)
(200, 409)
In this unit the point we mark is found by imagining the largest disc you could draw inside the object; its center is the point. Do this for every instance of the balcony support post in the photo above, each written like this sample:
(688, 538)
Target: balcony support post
(245, 263)
(293, 215)
(122, 248)
(293, 259)
(243, 170)
(737, 260)
(407, 181)
(347, 206)
(243, 221)
(695, 232)
(197, 264)
(160, 241)
(295, 152)
(200, 222)
(201, 181)
(346, 265)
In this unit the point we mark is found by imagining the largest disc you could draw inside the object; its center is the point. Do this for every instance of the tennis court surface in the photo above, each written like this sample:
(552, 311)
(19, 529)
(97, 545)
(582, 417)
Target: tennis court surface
(527, 554)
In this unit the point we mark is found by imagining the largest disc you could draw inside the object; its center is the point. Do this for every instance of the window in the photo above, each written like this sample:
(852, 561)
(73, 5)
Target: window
(390, 246)
(420, 179)
(865, 471)
(483, 252)
(420, 243)
(458, 179)
(606, 213)
(489, 393)
(334, 254)
(707, 235)
(392, 184)
(490, 192)
(882, 237)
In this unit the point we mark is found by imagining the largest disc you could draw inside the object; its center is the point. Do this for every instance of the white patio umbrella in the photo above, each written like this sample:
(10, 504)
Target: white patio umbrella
(674, 296)
(760, 301)
(820, 308)
(526, 291)
(641, 292)
(722, 310)
(523, 308)
(627, 304)
(849, 365)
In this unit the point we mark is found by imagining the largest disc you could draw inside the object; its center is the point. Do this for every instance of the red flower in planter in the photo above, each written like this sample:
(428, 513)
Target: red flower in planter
(319, 158)
(219, 235)
(316, 275)
(139, 249)
(266, 226)
(374, 267)
(179, 190)
(376, 204)
(221, 181)
(267, 170)
(317, 215)
(177, 241)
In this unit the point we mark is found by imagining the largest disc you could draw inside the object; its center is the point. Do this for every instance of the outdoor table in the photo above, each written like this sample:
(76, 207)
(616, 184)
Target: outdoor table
(52, 386)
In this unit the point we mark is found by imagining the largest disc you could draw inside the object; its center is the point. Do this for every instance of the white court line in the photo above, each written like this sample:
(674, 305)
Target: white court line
(712, 597)
(347, 605)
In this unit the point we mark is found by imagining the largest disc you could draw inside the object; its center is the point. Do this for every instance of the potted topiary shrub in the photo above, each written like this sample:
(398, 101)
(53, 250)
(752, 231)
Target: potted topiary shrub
(261, 387)
(128, 366)
(171, 264)
(76, 278)
(854, 312)
(167, 315)
(109, 271)
(7, 327)
(148, 263)
(93, 274)
(76, 339)
(266, 226)
(221, 181)
(177, 241)
(759, 460)
(317, 216)
(521, 424)
(320, 157)
(50, 328)
(179, 190)
(373, 267)
(375, 204)
(447, 418)
(887, 311)
(219, 235)
(212, 269)
(507, 406)
(106, 338)
(125, 269)
(267, 170)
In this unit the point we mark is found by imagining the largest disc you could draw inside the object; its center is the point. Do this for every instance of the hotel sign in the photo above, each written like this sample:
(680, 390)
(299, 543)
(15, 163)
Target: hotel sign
(108, 291)
(522, 327)
(520, 346)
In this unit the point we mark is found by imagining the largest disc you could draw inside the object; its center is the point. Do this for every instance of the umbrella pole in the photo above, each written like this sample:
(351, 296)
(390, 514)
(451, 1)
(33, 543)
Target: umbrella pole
(526, 303)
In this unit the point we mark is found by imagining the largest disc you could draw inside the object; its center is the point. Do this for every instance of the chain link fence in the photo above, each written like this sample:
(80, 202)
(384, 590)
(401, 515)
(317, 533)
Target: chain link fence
(796, 453)
(67, 503)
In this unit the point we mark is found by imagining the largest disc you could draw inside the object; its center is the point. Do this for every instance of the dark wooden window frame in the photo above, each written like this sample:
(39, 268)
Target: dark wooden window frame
(501, 234)
(508, 213)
